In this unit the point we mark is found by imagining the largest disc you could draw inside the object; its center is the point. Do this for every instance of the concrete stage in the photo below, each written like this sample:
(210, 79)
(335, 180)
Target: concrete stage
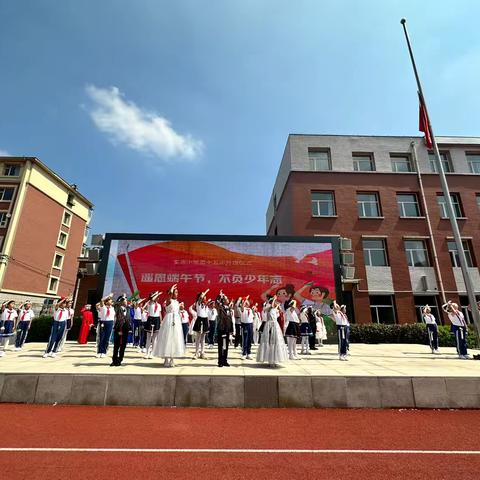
(376, 376)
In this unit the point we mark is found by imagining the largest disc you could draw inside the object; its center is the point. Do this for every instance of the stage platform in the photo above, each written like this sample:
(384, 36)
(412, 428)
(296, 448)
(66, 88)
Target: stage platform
(375, 376)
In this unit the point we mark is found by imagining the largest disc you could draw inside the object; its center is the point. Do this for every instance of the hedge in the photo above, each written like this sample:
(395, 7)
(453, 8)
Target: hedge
(40, 329)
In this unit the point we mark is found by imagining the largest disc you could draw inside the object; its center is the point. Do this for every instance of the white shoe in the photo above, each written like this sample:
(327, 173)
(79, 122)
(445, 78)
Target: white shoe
(244, 357)
(249, 357)
(17, 349)
(102, 355)
(436, 351)
(45, 355)
(143, 350)
(97, 355)
(291, 357)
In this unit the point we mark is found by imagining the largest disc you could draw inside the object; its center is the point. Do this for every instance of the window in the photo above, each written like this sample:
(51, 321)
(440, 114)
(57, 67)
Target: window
(401, 163)
(58, 260)
(381, 308)
(3, 219)
(67, 218)
(323, 204)
(408, 204)
(368, 205)
(53, 285)
(473, 160)
(71, 200)
(446, 162)
(62, 239)
(11, 170)
(464, 303)
(363, 162)
(478, 200)
(417, 253)
(431, 301)
(452, 250)
(457, 207)
(375, 253)
(6, 194)
(319, 160)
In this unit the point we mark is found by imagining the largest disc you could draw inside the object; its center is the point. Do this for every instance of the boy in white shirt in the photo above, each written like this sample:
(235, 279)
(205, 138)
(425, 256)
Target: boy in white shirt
(7, 324)
(25, 321)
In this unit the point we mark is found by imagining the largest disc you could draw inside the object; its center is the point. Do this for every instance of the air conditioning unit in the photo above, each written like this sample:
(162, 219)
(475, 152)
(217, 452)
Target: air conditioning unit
(92, 268)
(93, 254)
(97, 240)
(345, 244)
(347, 258)
(348, 272)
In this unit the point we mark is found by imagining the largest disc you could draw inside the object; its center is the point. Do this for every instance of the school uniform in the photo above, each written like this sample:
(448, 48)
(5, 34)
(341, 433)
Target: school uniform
(341, 320)
(432, 330)
(68, 326)
(459, 327)
(305, 332)
(237, 312)
(137, 325)
(58, 327)
(247, 330)
(25, 320)
(106, 315)
(185, 324)
(152, 326)
(212, 315)
(312, 321)
(121, 328)
(200, 327)
(224, 329)
(7, 325)
(292, 332)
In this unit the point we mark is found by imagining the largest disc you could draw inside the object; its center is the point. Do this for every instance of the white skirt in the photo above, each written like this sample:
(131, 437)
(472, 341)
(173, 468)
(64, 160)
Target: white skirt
(170, 342)
(272, 348)
(321, 331)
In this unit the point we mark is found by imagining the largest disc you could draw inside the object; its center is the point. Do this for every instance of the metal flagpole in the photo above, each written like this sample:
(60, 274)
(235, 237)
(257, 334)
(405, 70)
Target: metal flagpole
(448, 200)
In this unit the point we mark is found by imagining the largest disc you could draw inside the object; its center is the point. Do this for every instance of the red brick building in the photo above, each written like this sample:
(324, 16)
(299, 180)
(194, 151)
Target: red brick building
(43, 227)
(384, 195)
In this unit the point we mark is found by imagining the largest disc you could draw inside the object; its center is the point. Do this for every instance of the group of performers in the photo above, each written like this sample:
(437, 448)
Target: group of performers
(277, 329)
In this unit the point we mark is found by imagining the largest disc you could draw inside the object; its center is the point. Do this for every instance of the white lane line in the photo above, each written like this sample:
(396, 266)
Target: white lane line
(238, 450)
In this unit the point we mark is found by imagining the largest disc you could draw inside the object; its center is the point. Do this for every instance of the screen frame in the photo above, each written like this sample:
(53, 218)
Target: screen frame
(333, 240)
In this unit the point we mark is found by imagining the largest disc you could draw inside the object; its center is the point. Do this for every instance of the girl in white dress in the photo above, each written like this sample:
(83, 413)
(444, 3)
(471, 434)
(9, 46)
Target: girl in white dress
(170, 343)
(321, 329)
(272, 348)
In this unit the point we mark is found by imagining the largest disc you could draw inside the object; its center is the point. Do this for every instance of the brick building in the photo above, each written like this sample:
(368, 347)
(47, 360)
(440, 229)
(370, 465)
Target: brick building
(384, 195)
(43, 227)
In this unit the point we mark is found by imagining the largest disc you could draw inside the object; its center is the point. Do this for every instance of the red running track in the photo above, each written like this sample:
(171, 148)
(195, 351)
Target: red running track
(296, 429)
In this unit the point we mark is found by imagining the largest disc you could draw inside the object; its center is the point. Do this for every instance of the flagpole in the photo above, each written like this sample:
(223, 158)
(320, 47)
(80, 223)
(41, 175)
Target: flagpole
(446, 193)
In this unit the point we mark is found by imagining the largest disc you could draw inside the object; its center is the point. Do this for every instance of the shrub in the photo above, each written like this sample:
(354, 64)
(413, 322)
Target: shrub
(40, 329)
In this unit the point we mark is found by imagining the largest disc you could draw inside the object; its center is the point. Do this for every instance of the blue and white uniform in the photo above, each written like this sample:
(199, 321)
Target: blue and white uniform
(432, 330)
(25, 320)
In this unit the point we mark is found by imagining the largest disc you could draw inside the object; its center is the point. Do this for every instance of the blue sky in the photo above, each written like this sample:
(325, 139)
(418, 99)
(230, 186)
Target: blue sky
(172, 117)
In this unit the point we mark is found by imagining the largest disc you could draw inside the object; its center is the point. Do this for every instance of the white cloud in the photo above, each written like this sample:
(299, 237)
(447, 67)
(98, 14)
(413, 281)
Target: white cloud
(124, 122)
(3, 153)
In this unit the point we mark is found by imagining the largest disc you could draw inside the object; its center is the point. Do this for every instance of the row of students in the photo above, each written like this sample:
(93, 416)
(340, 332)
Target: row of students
(62, 323)
(13, 319)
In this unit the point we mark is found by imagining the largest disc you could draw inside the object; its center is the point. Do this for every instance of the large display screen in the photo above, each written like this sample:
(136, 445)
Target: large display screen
(291, 269)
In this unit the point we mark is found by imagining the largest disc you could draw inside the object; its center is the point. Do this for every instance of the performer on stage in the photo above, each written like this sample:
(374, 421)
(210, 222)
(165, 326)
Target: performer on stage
(212, 321)
(257, 322)
(305, 330)
(341, 320)
(185, 321)
(60, 316)
(237, 312)
(321, 328)
(25, 321)
(312, 321)
(143, 329)
(272, 348)
(7, 324)
(293, 329)
(106, 317)
(137, 322)
(201, 324)
(87, 324)
(121, 328)
(432, 328)
(171, 343)
(247, 329)
(154, 309)
(68, 324)
(224, 328)
(459, 327)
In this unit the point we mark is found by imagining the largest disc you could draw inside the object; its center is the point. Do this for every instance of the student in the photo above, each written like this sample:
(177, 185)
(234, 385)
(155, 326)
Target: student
(68, 324)
(292, 331)
(192, 310)
(312, 321)
(154, 310)
(459, 327)
(143, 330)
(321, 329)
(212, 321)
(247, 329)
(58, 327)
(432, 328)
(121, 328)
(87, 324)
(200, 326)
(224, 328)
(137, 322)
(305, 330)
(341, 320)
(7, 324)
(257, 322)
(25, 321)
(272, 348)
(171, 343)
(237, 312)
(185, 321)
(106, 318)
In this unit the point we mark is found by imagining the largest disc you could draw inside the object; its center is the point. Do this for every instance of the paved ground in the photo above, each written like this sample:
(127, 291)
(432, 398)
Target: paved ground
(376, 360)
(158, 443)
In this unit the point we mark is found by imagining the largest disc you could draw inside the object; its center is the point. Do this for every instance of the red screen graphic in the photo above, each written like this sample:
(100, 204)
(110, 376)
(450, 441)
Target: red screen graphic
(237, 268)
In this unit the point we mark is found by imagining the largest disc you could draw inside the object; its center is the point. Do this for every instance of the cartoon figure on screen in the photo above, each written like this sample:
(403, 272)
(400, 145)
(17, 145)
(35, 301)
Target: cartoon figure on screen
(171, 343)
(318, 297)
(283, 293)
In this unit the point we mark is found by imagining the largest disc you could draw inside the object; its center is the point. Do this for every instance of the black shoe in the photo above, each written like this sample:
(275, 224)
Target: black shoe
(226, 364)
(113, 364)
(220, 365)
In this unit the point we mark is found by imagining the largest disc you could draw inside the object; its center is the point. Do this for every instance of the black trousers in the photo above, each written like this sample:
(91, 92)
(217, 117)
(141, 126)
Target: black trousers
(312, 339)
(222, 340)
(119, 344)
(238, 335)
